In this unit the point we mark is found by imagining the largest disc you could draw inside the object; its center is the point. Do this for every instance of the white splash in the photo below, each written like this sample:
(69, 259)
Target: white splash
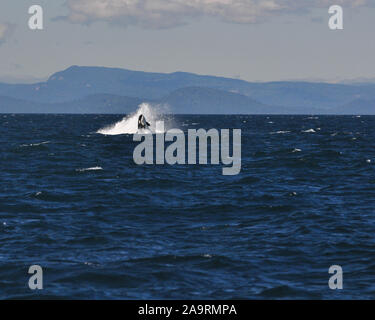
(129, 124)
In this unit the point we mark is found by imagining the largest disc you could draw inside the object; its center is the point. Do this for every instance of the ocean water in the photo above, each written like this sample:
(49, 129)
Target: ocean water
(101, 227)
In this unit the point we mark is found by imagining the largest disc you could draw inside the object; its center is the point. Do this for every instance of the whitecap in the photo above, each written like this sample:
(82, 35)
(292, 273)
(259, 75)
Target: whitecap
(34, 144)
(309, 131)
(279, 132)
(89, 169)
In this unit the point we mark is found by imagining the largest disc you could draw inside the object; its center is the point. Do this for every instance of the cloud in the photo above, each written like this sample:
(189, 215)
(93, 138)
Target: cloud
(6, 29)
(170, 13)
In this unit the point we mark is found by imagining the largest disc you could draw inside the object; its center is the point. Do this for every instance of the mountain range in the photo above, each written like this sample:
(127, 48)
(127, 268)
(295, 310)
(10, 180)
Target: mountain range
(111, 90)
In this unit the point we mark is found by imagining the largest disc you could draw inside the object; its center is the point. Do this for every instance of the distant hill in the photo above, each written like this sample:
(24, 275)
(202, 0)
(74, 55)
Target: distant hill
(12, 105)
(99, 103)
(306, 95)
(199, 100)
(359, 107)
(110, 90)
(78, 82)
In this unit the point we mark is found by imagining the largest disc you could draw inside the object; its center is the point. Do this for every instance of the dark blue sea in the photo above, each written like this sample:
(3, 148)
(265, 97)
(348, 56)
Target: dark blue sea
(74, 202)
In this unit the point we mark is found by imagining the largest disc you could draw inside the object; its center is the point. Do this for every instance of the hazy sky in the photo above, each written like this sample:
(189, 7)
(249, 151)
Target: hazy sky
(250, 39)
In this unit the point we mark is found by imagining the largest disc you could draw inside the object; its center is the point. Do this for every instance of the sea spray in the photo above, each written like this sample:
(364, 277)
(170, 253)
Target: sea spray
(129, 124)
